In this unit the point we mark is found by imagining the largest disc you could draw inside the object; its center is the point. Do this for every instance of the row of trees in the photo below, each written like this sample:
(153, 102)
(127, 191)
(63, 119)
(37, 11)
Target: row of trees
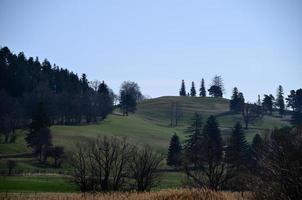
(112, 164)
(269, 103)
(216, 88)
(270, 167)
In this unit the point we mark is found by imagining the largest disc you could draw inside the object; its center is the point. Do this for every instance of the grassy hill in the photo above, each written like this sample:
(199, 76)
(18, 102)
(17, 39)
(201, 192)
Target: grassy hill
(149, 125)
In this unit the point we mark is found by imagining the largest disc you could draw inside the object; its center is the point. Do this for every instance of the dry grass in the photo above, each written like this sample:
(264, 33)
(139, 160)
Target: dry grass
(181, 194)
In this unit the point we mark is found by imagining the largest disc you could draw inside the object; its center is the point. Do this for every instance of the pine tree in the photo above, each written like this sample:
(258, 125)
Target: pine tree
(193, 91)
(234, 100)
(202, 89)
(174, 152)
(280, 100)
(193, 143)
(182, 91)
(256, 150)
(213, 140)
(268, 103)
(39, 136)
(237, 150)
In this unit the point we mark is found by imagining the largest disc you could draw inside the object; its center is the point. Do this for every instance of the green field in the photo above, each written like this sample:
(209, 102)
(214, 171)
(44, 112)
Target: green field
(37, 184)
(149, 125)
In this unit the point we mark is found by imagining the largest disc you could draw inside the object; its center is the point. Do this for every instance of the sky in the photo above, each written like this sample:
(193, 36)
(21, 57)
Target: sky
(254, 45)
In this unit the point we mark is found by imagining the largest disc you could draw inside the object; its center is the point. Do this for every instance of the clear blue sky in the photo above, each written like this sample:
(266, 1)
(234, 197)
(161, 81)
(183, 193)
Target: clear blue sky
(254, 45)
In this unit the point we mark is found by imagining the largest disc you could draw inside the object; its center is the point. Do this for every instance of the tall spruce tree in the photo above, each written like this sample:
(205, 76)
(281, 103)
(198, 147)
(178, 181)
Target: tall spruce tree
(193, 91)
(193, 143)
(182, 91)
(268, 103)
(202, 90)
(280, 100)
(238, 150)
(174, 152)
(39, 136)
(257, 148)
(213, 140)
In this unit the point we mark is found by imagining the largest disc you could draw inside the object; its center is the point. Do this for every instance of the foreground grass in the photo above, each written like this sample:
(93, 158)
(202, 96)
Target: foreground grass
(180, 194)
(37, 184)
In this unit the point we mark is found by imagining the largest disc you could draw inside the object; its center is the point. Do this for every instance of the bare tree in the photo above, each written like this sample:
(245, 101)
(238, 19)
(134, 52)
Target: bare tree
(79, 162)
(249, 113)
(144, 167)
(103, 164)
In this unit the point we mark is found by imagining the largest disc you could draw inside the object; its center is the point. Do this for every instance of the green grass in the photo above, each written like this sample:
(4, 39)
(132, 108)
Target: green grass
(37, 184)
(150, 125)
(170, 180)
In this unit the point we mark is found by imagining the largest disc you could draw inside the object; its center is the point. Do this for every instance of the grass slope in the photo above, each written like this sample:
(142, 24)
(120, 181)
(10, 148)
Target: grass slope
(150, 125)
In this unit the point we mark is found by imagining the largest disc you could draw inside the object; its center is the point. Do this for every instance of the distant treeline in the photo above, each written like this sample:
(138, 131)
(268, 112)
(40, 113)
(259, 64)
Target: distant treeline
(67, 98)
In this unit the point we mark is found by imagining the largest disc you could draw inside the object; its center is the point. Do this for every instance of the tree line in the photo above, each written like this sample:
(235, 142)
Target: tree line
(270, 167)
(216, 88)
(35, 95)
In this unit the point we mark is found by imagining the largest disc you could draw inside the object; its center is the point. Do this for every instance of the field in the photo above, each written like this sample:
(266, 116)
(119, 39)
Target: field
(180, 194)
(149, 125)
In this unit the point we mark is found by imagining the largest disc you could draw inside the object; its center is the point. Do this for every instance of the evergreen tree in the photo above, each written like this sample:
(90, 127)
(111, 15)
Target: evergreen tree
(290, 100)
(182, 91)
(174, 152)
(237, 150)
(39, 136)
(217, 87)
(257, 148)
(237, 101)
(193, 143)
(267, 103)
(213, 140)
(234, 100)
(259, 101)
(280, 100)
(193, 91)
(202, 89)
(215, 91)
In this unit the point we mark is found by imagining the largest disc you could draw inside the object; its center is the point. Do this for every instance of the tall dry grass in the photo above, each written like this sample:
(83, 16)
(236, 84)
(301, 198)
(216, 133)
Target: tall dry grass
(175, 194)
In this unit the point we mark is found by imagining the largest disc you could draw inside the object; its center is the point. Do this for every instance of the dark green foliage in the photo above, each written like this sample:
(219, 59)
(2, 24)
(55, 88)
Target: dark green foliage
(105, 101)
(205, 167)
(193, 91)
(39, 136)
(215, 91)
(202, 90)
(290, 100)
(182, 91)
(11, 164)
(237, 101)
(237, 154)
(280, 173)
(280, 100)
(257, 148)
(194, 142)
(212, 135)
(174, 152)
(67, 97)
(217, 87)
(268, 103)
(130, 95)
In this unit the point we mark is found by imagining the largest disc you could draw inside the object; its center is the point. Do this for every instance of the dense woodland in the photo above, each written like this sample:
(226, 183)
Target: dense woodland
(35, 95)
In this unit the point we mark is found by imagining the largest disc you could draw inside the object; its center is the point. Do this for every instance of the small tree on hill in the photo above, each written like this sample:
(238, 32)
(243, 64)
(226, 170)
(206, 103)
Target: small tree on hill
(193, 91)
(202, 90)
(182, 91)
(174, 152)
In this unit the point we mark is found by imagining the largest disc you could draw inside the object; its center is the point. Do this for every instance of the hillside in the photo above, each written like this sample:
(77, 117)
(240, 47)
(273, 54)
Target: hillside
(149, 125)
